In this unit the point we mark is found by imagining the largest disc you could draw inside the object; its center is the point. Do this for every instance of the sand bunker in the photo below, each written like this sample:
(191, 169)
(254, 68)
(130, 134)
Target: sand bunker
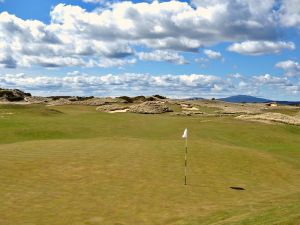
(119, 111)
(190, 108)
(111, 108)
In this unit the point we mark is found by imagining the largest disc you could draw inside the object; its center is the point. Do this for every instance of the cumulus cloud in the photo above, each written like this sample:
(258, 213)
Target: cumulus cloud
(162, 55)
(251, 6)
(128, 83)
(271, 80)
(277, 85)
(114, 31)
(290, 13)
(294, 89)
(290, 67)
(106, 62)
(255, 48)
(31, 42)
(6, 60)
(235, 76)
(212, 54)
(185, 85)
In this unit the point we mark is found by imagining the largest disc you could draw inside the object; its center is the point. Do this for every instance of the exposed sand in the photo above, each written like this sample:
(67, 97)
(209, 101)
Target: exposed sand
(190, 108)
(119, 111)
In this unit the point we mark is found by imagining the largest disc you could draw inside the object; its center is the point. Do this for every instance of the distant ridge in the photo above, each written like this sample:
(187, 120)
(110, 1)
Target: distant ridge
(252, 99)
(244, 98)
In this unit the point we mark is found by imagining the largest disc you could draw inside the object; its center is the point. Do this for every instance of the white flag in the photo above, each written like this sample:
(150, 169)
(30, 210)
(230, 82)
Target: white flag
(185, 133)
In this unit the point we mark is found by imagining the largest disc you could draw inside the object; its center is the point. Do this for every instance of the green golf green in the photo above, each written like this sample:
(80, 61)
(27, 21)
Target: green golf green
(72, 165)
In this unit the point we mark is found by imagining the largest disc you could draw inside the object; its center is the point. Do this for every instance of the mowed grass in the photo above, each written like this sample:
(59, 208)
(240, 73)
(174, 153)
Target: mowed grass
(71, 165)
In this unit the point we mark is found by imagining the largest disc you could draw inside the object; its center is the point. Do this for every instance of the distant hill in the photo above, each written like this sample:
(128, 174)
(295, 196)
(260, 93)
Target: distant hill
(288, 103)
(244, 98)
(251, 99)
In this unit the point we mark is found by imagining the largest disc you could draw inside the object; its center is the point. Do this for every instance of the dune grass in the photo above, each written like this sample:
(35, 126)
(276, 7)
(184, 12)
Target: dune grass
(286, 111)
(68, 165)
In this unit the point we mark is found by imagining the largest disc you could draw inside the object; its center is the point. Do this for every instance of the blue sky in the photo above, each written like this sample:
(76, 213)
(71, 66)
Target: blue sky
(175, 48)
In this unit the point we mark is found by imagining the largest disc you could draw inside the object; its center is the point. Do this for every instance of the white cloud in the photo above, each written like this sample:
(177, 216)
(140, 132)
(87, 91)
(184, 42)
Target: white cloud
(116, 30)
(255, 48)
(31, 42)
(278, 87)
(6, 59)
(162, 55)
(212, 54)
(271, 80)
(290, 13)
(235, 76)
(191, 85)
(129, 84)
(106, 62)
(93, 1)
(293, 89)
(243, 84)
(290, 67)
(74, 73)
(258, 8)
(55, 61)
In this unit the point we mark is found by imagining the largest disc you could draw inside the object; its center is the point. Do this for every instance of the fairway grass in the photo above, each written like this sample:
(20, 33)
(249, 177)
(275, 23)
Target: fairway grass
(71, 165)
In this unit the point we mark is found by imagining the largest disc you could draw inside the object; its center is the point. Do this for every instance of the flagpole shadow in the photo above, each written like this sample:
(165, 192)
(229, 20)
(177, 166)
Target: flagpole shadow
(237, 188)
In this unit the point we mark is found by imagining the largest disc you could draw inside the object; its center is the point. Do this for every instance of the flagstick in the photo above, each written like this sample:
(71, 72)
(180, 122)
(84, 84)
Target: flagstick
(185, 162)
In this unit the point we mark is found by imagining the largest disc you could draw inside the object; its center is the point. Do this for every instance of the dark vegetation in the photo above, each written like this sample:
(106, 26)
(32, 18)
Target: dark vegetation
(13, 94)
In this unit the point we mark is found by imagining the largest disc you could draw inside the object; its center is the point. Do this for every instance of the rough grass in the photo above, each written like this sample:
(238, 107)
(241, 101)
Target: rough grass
(72, 165)
(286, 111)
